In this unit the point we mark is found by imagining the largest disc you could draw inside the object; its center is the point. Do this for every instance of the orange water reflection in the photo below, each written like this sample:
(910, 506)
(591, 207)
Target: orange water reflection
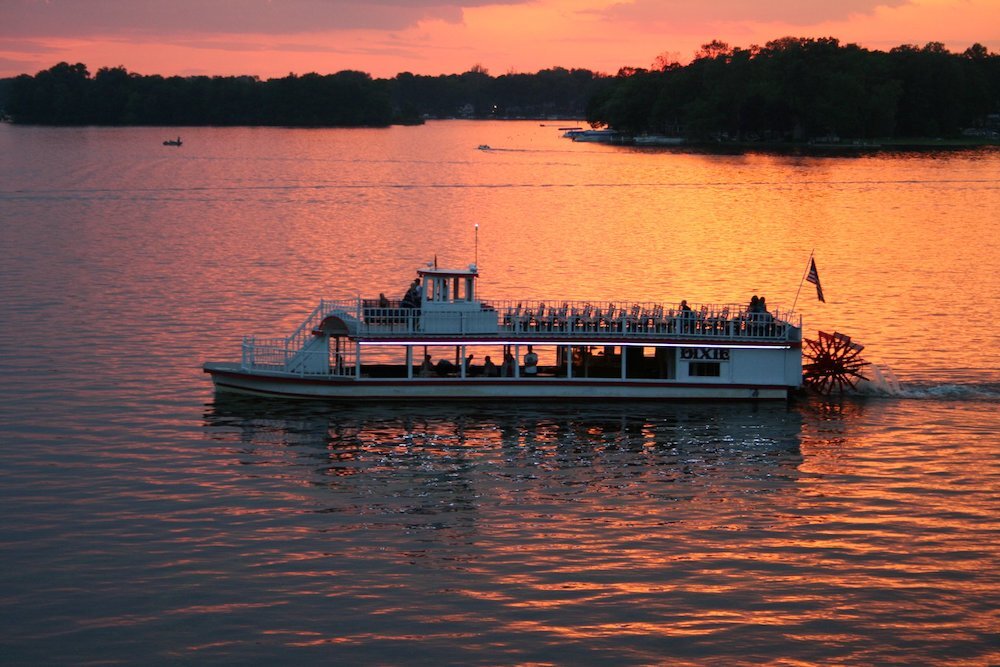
(815, 528)
(854, 532)
(904, 243)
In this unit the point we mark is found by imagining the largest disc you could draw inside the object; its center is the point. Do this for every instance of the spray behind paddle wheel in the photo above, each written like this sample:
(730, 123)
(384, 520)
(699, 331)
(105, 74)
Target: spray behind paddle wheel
(834, 363)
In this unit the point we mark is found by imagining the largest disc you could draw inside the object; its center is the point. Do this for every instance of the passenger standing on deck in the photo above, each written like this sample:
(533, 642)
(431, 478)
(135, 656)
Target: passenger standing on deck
(408, 297)
(530, 363)
(489, 368)
(686, 316)
(412, 298)
(766, 317)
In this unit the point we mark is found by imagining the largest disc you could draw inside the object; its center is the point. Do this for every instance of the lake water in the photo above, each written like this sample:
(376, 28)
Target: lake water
(146, 520)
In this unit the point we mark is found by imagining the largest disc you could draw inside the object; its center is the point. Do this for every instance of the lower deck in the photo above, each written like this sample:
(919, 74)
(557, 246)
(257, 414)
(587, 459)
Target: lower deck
(545, 386)
(723, 362)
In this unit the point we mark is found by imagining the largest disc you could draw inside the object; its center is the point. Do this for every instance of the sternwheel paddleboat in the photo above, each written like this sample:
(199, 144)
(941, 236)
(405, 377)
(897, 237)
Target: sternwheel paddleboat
(443, 342)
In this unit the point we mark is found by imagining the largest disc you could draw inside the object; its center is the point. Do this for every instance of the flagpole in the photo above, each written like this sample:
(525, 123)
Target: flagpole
(806, 273)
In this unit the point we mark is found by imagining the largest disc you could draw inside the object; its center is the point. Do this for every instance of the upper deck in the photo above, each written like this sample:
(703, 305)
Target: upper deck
(370, 320)
(448, 309)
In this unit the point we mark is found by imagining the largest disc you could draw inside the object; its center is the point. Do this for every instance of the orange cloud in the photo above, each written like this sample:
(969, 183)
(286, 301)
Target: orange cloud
(385, 37)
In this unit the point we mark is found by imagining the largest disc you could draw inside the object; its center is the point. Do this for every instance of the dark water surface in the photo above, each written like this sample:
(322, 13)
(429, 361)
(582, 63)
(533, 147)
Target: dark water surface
(147, 521)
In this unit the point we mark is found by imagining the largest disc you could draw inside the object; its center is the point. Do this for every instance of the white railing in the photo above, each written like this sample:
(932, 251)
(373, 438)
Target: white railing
(272, 354)
(349, 307)
(267, 353)
(576, 318)
(387, 318)
(579, 318)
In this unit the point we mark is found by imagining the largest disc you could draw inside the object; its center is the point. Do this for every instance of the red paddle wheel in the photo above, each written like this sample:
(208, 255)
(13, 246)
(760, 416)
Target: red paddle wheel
(834, 363)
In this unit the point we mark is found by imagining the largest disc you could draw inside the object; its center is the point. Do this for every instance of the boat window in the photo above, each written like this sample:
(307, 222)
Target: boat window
(704, 369)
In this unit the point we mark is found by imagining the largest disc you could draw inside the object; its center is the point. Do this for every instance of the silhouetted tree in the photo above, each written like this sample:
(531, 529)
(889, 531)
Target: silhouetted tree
(789, 89)
(798, 88)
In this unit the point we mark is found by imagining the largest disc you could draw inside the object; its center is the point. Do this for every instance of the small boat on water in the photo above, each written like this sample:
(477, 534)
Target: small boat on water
(172, 142)
(657, 140)
(443, 342)
(596, 136)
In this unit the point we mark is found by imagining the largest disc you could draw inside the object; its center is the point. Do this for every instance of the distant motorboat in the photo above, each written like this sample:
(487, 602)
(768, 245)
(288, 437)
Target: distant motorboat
(657, 140)
(484, 147)
(596, 136)
(172, 142)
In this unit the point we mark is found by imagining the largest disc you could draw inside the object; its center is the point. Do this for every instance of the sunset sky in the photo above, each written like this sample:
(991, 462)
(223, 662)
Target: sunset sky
(271, 38)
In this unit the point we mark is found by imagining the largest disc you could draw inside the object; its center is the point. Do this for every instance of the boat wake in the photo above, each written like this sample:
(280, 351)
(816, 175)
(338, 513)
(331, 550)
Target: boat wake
(882, 382)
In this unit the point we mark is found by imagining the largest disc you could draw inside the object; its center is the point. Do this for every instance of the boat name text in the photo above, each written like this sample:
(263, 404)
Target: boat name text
(710, 353)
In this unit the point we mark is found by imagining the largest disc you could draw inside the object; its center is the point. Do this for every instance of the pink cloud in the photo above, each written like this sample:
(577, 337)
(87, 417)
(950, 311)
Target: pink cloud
(76, 18)
(709, 12)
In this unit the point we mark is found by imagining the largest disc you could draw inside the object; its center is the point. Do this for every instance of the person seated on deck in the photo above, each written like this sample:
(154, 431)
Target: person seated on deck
(427, 367)
(383, 301)
(685, 307)
(754, 306)
(489, 368)
(445, 367)
(530, 363)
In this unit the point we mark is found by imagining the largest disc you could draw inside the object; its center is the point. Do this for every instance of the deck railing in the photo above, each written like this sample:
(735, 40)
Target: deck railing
(574, 319)
(590, 319)
(274, 354)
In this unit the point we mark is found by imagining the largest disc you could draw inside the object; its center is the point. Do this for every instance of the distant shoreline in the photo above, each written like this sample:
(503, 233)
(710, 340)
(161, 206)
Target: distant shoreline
(844, 147)
(899, 144)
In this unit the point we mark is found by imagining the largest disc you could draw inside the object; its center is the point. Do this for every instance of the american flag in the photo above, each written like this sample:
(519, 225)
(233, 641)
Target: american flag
(813, 277)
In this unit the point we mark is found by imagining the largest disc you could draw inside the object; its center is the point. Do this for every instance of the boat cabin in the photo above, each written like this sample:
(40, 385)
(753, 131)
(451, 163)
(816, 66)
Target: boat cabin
(450, 303)
(449, 289)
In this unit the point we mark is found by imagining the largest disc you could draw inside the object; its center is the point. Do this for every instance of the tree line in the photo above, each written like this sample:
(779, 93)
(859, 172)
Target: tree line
(804, 88)
(789, 89)
(69, 95)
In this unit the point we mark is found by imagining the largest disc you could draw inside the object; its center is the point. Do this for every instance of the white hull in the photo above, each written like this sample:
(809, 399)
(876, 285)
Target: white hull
(230, 378)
